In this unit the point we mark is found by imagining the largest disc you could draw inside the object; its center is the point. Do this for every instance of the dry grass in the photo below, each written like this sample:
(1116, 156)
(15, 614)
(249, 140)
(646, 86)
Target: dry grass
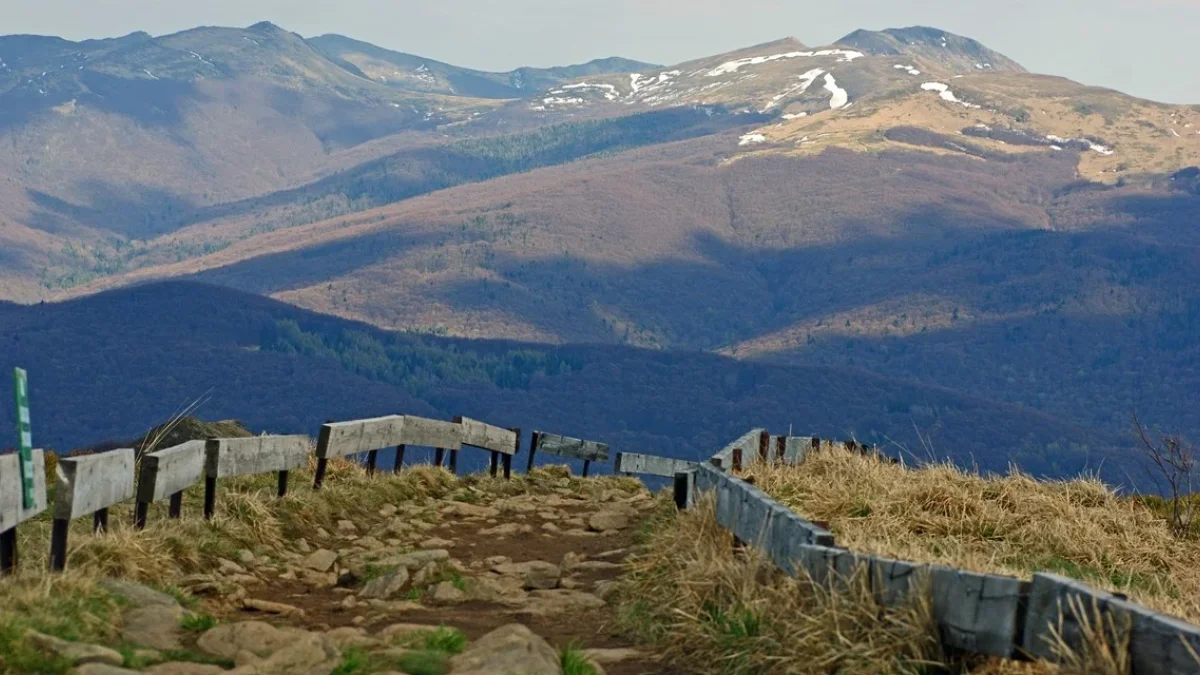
(1005, 524)
(711, 609)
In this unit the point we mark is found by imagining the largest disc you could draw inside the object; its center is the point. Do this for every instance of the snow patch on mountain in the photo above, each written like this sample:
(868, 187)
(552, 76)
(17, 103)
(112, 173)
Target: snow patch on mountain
(844, 56)
(752, 139)
(838, 97)
(806, 81)
(912, 70)
(608, 90)
(946, 94)
(1095, 147)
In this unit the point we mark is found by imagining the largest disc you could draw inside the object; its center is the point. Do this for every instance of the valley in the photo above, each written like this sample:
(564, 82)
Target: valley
(906, 208)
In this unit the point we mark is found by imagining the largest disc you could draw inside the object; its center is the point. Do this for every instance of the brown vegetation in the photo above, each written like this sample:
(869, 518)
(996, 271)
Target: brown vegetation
(1005, 524)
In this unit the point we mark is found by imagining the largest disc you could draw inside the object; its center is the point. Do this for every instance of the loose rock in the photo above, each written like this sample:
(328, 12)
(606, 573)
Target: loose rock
(509, 649)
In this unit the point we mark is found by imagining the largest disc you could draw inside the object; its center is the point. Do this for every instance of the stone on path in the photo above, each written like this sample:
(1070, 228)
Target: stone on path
(153, 618)
(446, 593)
(610, 656)
(272, 607)
(606, 521)
(262, 649)
(77, 653)
(102, 669)
(184, 668)
(387, 586)
(508, 649)
(321, 561)
(536, 574)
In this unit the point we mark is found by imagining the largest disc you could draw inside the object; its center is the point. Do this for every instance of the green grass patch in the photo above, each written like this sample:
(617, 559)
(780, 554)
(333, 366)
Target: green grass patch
(198, 622)
(445, 639)
(356, 661)
(574, 662)
(78, 612)
(425, 662)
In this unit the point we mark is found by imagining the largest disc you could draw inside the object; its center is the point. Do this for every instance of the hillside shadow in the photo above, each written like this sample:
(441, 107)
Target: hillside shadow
(278, 272)
(137, 212)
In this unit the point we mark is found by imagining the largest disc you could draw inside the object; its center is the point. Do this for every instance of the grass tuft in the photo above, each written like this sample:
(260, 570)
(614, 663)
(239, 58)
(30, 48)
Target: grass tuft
(575, 663)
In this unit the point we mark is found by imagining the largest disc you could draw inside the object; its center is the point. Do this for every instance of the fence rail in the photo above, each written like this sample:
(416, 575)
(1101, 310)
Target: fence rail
(91, 484)
(987, 614)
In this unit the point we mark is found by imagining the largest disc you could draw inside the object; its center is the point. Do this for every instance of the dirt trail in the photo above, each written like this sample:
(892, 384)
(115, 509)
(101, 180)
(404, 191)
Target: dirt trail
(559, 528)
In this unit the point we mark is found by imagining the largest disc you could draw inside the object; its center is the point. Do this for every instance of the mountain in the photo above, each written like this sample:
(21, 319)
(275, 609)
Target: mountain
(407, 72)
(990, 231)
(954, 53)
(111, 142)
(151, 349)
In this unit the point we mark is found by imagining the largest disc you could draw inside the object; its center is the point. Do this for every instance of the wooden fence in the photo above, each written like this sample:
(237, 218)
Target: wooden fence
(987, 614)
(90, 485)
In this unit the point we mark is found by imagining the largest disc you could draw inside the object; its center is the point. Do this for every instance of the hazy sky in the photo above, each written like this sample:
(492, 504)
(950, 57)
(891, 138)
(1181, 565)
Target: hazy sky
(1143, 47)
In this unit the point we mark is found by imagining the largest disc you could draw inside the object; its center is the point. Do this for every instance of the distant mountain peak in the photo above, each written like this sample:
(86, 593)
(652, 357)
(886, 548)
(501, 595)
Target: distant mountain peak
(266, 27)
(954, 52)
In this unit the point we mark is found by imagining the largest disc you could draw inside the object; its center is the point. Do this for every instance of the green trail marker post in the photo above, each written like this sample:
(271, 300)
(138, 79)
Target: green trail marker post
(25, 436)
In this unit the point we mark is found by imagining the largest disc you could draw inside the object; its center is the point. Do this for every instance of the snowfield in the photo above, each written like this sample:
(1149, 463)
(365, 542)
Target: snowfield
(752, 139)
(806, 81)
(945, 93)
(845, 56)
(839, 97)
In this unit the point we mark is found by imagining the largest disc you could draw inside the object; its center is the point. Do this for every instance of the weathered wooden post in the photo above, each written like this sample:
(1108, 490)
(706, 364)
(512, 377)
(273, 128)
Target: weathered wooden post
(319, 477)
(454, 462)
(282, 485)
(684, 484)
(780, 449)
(764, 447)
(737, 460)
(494, 464)
(210, 496)
(88, 485)
(12, 503)
(399, 462)
(439, 456)
(516, 449)
(533, 447)
(175, 506)
(372, 458)
(100, 521)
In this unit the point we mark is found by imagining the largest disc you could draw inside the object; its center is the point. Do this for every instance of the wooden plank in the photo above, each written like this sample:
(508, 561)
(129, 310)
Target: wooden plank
(432, 433)
(1158, 644)
(228, 457)
(748, 442)
(171, 470)
(483, 435)
(87, 484)
(573, 448)
(650, 465)
(342, 439)
(977, 612)
(12, 506)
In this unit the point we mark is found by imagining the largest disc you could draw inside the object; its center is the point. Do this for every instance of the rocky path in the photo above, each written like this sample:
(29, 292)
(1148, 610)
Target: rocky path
(521, 577)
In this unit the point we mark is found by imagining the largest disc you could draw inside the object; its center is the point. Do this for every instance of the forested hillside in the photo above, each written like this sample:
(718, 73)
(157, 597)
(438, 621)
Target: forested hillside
(111, 365)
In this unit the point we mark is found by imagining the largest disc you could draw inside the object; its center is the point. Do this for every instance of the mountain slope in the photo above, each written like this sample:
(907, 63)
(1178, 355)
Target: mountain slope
(1000, 232)
(112, 142)
(954, 53)
(274, 366)
(407, 72)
